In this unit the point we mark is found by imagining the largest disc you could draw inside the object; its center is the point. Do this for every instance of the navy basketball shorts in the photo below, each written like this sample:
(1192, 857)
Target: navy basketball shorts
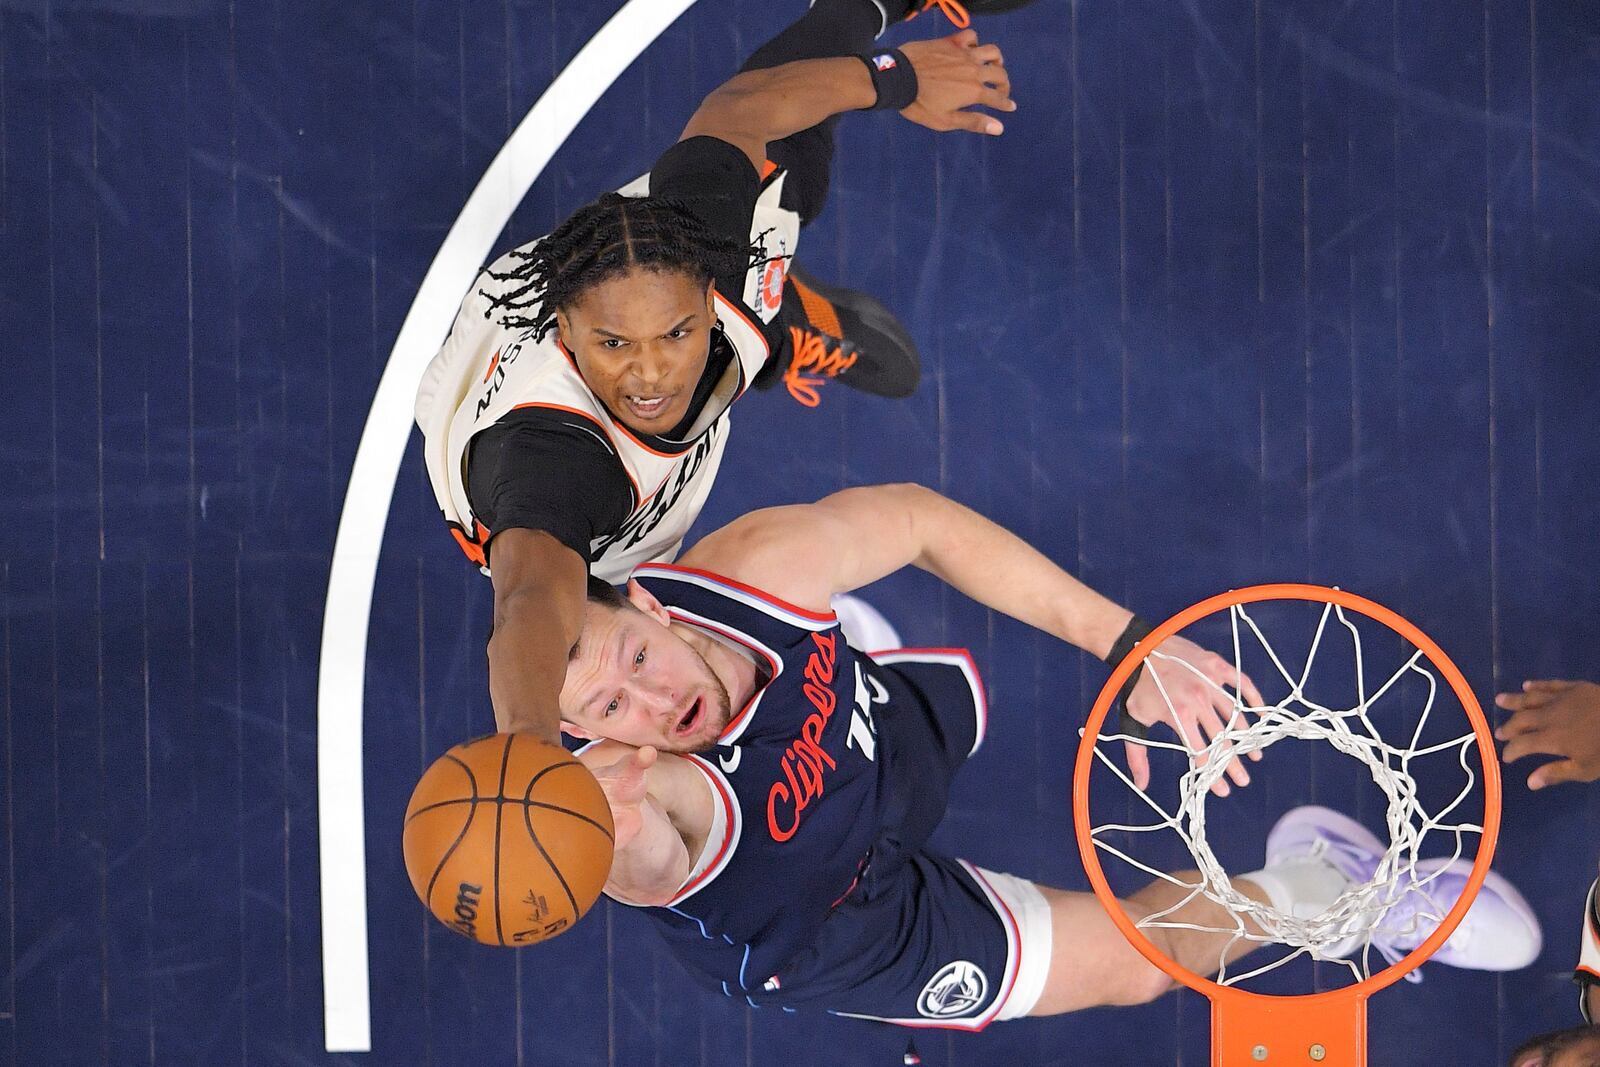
(932, 942)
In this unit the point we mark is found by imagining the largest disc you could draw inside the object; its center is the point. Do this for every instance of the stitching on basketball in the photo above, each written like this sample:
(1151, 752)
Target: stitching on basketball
(472, 780)
(569, 762)
(527, 817)
(434, 879)
(568, 811)
(499, 817)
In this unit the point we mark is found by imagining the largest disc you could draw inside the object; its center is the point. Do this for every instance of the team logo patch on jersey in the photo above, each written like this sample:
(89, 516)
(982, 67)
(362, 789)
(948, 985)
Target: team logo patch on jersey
(957, 989)
(772, 286)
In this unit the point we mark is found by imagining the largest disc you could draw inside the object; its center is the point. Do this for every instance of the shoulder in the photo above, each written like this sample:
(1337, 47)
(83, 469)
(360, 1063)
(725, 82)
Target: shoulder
(787, 552)
(702, 166)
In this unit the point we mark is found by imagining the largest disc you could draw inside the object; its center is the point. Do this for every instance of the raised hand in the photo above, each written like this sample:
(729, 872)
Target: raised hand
(1554, 718)
(623, 781)
(1198, 702)
(956, 73)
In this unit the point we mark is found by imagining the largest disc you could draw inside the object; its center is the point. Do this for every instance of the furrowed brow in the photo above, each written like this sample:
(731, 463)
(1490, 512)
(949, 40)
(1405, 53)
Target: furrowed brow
(614, 652)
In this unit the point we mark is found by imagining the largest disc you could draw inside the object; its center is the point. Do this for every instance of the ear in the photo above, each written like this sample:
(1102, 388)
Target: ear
(641, 598)
(574, 730)
(564, 328)
(711, 302)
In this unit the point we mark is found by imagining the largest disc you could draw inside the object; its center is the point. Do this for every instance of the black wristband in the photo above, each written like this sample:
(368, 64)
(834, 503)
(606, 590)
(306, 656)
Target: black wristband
(1136, 630)
(892, 78)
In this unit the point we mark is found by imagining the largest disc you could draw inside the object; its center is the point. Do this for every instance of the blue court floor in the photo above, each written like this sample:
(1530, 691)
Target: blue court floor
(1248, 291)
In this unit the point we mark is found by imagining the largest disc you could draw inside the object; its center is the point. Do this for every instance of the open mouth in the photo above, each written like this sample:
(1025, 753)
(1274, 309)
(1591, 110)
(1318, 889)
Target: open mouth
(645, 408)
(689, 719)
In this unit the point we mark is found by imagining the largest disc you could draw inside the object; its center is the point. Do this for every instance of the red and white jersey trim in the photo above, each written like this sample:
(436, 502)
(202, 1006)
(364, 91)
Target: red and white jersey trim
(749, 595)
(721, 842)
(955, 657)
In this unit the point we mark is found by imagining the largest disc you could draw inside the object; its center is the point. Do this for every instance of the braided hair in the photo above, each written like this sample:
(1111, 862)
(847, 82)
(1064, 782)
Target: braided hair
(608, 238)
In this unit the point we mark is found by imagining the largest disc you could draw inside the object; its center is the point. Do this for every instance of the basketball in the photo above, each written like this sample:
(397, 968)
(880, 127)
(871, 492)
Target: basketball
(508, 839)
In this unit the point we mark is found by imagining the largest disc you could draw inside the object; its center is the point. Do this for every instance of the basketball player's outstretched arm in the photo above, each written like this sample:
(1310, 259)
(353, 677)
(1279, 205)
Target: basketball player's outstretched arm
(539, 588)
(807, 553)
(757, 107)
(661, 812)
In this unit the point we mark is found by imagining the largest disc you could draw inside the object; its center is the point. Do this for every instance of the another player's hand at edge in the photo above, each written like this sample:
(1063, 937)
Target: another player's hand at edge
(1192, 680)
(956, 73)
(1554, 718)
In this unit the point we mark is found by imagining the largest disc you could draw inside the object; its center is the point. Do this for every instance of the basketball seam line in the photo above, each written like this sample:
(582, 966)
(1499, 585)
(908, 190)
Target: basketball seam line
(511, 800)
(527, 818)
(568, 762)
(575, 814)
(499, 818)
(434, 879)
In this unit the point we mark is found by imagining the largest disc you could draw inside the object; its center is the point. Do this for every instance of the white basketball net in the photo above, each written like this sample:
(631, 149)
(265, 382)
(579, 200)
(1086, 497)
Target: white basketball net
(1348, 927)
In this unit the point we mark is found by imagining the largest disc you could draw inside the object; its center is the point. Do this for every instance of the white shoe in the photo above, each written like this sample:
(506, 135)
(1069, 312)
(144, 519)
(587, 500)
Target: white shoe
(1499, 932)
(864, 626)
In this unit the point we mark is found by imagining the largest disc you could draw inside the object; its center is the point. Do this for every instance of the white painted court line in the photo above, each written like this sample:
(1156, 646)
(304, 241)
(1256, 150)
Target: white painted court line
(347, 1018)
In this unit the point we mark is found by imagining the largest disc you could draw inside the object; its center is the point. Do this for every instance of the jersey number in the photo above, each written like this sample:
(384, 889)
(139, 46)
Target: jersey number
(863, 730)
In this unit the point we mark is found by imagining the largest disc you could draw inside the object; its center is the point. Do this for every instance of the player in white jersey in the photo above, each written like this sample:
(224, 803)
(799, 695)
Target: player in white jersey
(576, 417)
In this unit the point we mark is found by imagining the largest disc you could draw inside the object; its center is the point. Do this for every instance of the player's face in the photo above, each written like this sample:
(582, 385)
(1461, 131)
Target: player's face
(1579, 1047)
(641, 341)
(635, 681)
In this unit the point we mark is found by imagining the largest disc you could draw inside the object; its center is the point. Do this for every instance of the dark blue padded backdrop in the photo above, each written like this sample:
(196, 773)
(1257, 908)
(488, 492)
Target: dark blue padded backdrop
(1248, 292)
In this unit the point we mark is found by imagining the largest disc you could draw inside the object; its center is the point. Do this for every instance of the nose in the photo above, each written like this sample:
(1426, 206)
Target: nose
(654, 695)
(651, 365)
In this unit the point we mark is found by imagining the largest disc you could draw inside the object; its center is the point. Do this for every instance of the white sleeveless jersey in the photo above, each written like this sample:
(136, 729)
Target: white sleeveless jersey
(485, 371)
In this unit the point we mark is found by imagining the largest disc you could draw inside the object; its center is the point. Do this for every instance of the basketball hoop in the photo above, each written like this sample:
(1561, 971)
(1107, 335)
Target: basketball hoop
(1325, 1028)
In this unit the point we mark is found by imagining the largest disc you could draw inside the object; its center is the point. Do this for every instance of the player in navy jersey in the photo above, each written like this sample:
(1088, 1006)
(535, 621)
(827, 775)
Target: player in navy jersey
(576, 416)
(774, 788)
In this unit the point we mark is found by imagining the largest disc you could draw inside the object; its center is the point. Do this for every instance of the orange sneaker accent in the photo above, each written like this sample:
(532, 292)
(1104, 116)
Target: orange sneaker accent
(953, 10)
(819, 312)
(812, 354)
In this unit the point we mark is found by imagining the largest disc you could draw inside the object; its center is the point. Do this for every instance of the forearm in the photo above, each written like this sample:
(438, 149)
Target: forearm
(760, 106)
(651, 866)
(538, 611)
(998, 569)
(527, 666)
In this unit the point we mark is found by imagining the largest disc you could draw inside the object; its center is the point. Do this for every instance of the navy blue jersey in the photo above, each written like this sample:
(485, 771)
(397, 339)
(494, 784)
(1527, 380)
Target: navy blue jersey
(838, 762)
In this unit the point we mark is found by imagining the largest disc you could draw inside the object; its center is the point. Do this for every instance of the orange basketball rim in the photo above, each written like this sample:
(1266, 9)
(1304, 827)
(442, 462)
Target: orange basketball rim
(1328, 1029)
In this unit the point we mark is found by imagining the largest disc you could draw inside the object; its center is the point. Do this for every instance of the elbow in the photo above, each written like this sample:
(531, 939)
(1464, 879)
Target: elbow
(738, 111)
(744, 93)
(908, 499)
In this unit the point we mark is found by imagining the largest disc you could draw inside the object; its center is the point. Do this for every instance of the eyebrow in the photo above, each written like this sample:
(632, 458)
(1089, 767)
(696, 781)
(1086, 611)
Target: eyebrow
(603, 332)
(616, 650)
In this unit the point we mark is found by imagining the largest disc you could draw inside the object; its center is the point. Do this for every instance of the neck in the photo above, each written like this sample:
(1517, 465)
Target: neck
(734, 667)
